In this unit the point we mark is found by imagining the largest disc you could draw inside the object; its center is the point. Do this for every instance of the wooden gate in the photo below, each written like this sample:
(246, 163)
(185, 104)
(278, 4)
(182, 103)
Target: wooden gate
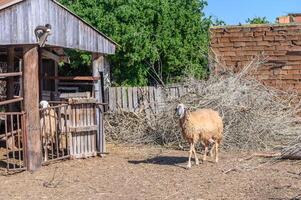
(12, 153)
(84, 128)
(72, 130)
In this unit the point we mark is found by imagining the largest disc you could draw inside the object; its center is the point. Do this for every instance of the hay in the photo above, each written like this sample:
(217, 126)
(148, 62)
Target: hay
(255, 116)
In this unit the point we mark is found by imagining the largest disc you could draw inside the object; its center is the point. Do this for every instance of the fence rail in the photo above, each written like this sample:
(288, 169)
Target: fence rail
(133, 99)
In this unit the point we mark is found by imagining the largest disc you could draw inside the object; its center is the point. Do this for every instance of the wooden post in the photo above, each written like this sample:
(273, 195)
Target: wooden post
(98, 62)
(10, 80)
(31, 107)
(56, 73)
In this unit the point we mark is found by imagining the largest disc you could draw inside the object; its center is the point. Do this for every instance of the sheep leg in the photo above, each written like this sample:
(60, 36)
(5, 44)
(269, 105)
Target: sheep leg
(211, 150)
(205, 154)
(190, 154)
(216, 152)
(212, 142)
(195, 156)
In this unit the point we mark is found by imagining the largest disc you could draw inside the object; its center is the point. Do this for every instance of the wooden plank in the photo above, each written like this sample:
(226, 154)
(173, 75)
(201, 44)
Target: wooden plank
(53, 56)
(98, 63)
(10, 101)
(130, 99)
(119, 97)
(75, 95)
(56, 73)
(82, 129)
(73, 78)
(10, 79)
(112, 99)
(124, 98)
(11, 74)
(31, 102)
(181, 90)
(135, 98)
(151, 98)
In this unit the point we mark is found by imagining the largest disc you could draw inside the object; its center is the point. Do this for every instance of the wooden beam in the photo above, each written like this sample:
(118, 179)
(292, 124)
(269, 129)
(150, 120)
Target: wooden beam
(10, 80)
(31, 107)
(10, 74)
(10, 101)
(56, 73)
(98, 64)
(73, 78)
(53, 56)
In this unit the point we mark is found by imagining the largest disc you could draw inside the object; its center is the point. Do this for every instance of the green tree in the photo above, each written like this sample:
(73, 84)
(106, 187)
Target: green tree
(257, 20)
(160, 39)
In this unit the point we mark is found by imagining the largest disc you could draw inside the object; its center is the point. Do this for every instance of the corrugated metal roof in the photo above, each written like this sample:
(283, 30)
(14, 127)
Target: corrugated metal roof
(7, 3)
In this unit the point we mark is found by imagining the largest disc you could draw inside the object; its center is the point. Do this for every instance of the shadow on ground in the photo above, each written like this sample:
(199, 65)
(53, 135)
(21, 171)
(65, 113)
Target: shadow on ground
(162, 160)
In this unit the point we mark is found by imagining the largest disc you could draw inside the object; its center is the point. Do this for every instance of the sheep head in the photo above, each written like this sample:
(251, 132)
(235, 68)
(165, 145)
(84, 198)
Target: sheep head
(180, 110)
(44, 104)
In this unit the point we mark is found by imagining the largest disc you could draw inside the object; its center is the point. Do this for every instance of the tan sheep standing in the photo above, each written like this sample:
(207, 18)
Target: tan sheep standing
(203, 124)
(48, 127)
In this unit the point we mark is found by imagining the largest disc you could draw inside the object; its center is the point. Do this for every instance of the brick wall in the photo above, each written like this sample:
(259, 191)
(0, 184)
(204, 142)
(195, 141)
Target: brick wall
(236, 46)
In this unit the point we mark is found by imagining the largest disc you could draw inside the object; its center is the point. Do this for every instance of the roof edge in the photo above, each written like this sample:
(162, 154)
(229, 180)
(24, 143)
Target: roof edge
(81, 19)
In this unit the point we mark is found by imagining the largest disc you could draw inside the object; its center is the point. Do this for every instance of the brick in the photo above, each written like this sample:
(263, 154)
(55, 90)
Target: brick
(235, 34)
(242, 39)
(239, 44)
(223, 40)
(292, 67)
(271, 33)
(283, 48)
(248, 34)
(269, 38)
(231, 53)
(297, 76)
(217, 30)
(280, 38)
(294, 58)
(262, 33)
(264, 43)
(233, 29)
(296, 42)
(261, 28)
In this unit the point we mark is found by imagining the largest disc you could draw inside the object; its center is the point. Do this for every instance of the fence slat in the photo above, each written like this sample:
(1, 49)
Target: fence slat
(130, 99)
(124, 98)
(119, 97)
(135, 98)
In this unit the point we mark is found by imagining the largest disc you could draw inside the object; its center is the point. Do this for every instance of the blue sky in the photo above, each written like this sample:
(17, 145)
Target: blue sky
(235, 11)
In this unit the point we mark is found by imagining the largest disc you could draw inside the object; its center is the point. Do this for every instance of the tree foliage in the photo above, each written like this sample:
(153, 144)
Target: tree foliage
(257, 20)
(159, 39)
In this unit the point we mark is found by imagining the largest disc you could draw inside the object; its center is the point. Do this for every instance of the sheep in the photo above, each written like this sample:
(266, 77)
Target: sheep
(48, 127)
(203, 124)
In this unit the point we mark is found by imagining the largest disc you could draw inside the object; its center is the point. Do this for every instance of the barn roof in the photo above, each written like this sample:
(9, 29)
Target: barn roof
(18, 20)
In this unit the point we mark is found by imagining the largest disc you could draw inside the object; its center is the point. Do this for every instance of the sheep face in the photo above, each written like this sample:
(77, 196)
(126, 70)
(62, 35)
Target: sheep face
(180, 110)
(44, 104)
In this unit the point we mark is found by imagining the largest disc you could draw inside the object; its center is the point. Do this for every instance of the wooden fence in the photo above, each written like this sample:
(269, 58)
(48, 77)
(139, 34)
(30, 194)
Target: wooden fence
(133, 99)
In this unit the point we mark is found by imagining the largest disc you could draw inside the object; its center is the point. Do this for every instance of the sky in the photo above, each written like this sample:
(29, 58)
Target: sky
(238, 11)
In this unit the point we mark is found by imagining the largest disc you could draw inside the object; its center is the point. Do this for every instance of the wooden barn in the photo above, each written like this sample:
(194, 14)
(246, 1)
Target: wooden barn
(33, 38)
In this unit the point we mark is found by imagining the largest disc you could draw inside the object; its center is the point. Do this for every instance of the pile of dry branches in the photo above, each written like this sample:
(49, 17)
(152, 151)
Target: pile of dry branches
(255, 117)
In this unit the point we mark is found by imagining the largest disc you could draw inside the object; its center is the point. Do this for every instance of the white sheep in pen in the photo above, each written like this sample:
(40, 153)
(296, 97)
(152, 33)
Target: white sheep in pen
(48, 127)
(203, 124)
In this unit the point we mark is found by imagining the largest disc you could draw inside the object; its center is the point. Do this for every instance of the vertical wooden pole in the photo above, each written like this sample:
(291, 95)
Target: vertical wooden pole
(40, 72)
(10, 80)
(21, 82)
(98, 62)
(56, 73)
(31, 107)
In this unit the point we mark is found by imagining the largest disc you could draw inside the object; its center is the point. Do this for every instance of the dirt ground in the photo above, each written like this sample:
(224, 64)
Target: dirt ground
(155, 173)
